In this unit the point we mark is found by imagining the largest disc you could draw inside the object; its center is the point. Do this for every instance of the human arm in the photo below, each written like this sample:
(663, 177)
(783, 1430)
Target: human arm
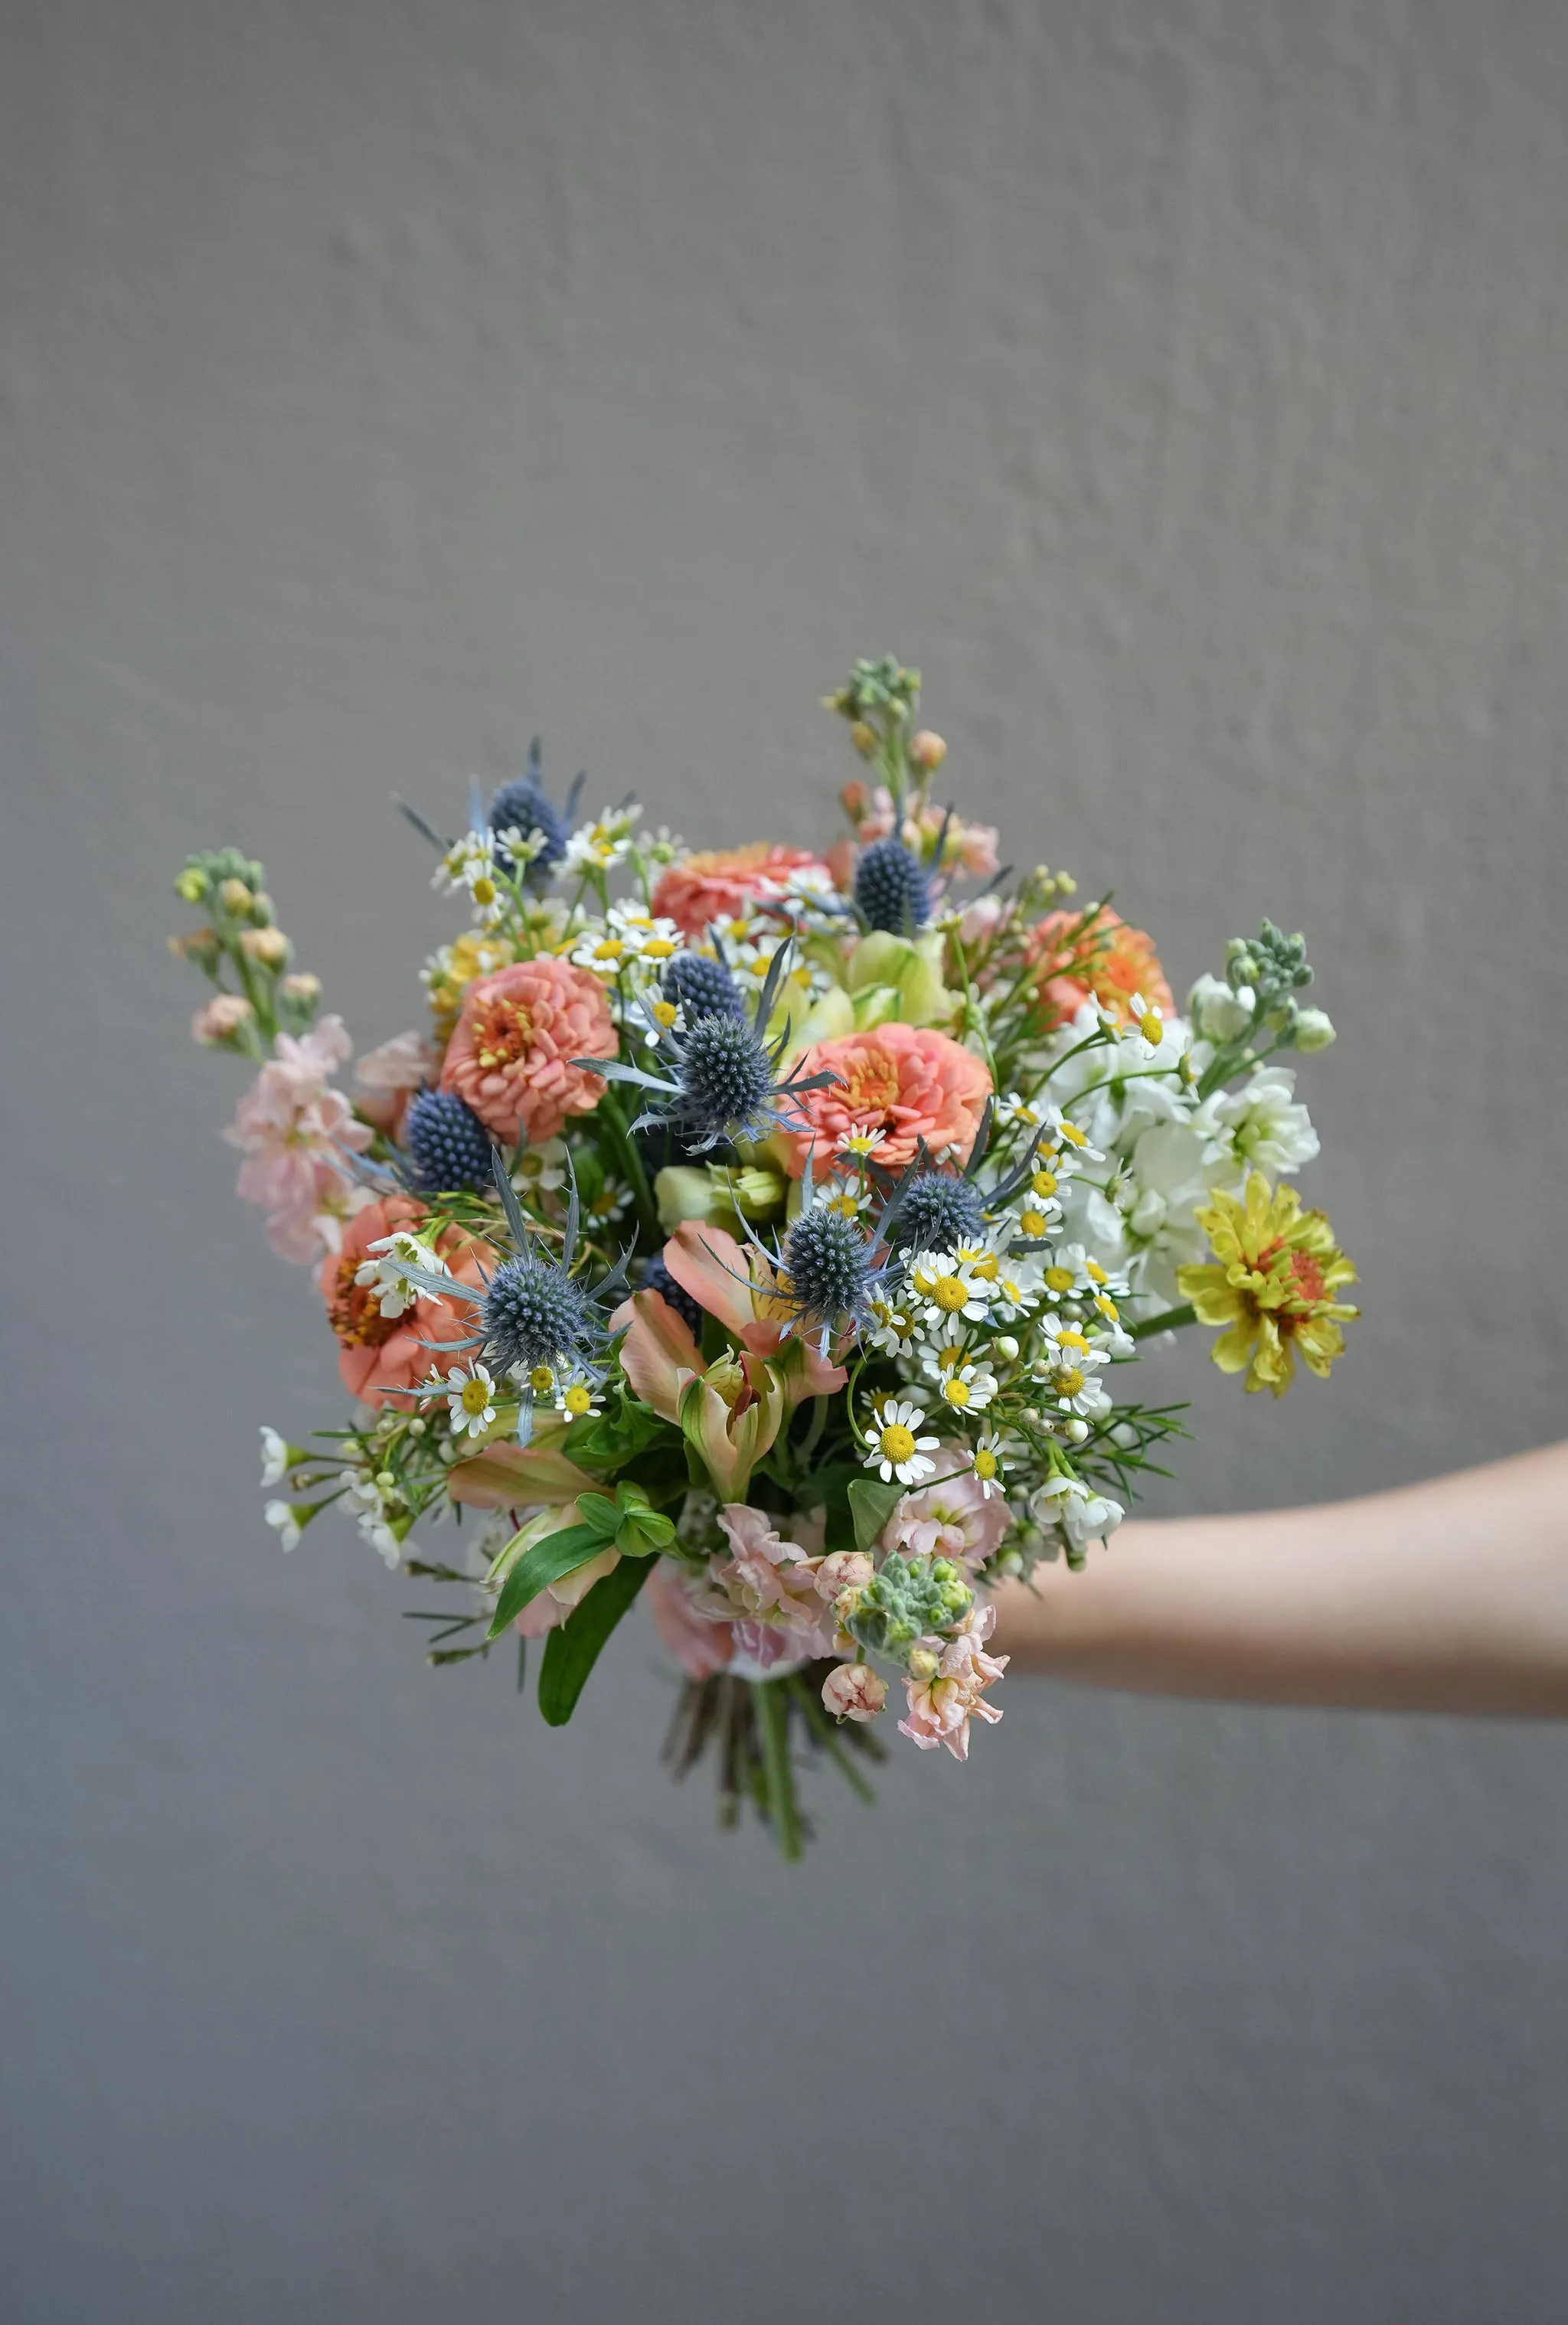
(1447, 1596)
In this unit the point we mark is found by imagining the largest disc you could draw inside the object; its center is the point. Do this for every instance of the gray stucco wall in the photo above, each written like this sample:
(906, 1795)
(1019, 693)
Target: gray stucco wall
(1183, 385)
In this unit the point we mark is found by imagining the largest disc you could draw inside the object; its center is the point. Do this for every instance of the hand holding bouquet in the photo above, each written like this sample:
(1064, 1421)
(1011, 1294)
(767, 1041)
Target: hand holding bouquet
(768, 1233)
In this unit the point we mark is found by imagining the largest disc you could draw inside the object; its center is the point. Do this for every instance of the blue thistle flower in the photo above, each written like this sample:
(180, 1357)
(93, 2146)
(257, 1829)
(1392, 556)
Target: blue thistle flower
(891, 888)
(721, 1082)
(524, 805)
(448, 1145)
(533, 1313)
(705, 987)
(935, 1211)
(828, 1262)
(656, 1277)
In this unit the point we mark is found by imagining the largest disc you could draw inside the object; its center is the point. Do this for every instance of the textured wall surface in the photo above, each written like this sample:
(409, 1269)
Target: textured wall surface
(1183, 385)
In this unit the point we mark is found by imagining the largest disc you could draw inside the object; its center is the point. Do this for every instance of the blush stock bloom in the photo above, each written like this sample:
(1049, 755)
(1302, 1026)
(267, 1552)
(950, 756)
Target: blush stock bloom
(294, 1129)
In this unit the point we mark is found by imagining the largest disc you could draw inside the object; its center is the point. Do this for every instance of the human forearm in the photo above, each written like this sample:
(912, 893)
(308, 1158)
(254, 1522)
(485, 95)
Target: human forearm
(1449, 1596)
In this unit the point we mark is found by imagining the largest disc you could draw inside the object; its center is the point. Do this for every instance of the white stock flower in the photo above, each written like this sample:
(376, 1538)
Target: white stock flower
(394, 1293)
(275, 1457)
(1261, 1124)
(1218, 1014)
(280, 1516)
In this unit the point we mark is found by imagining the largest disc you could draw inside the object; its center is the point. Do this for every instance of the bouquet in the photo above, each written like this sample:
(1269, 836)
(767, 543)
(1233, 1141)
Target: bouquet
(768, 1235)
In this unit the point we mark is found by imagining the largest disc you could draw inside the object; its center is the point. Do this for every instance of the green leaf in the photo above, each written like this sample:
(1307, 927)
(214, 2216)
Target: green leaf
(547, 1561)
(642, 1533)
(571, 1652)
(597, 1511)
(871, 1505)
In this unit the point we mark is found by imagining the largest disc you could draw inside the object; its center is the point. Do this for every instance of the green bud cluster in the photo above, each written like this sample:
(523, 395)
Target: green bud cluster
(907, 1599)
(882, 689)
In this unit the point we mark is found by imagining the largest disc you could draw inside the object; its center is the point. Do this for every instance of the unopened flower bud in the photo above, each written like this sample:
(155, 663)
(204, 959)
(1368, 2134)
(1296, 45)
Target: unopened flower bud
(1011, 1563)
(302, 985)
(191, 886)
(928, 750)
(1077, 1430)
(923, 1664)
(846, 1569)
(268, 946)
(854, 1691)
(261, 908)
(863, 736)
(235, 897)
(199, 944)
(1314, 1029)
(416, 1427)
(221, 1020)
(1008, 1348)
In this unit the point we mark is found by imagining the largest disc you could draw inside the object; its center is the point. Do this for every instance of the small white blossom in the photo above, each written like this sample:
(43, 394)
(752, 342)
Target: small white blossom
(579, 1395)
(944, 1288)
(968, 1388)
(394, 1293)
(280, 1515)
(541, 1170)
(893, 1447)
(275, 1457)
(470, 1395)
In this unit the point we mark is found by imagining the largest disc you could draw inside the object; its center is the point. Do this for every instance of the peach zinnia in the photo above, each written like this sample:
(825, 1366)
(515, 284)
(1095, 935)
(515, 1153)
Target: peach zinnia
(714, 885)
(1111, 962)
(510, 1056)
(908, 1081)
(382, 1357)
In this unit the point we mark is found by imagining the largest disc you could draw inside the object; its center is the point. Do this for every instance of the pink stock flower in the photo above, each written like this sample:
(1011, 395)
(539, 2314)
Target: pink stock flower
(981, 918)
(846, 1569)
(909, 1081)
(954, 1519)
(510, 1056)
(382, 1357)
(701, 1643)
(767, 1578)
(294, 1129)
(948, 1690)
(392, 1074)
(717, 884)
(854, 1691)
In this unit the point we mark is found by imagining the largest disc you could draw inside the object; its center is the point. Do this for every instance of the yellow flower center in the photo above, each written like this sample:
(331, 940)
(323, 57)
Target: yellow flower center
(1044, 1184)
(1072, 1340)
(608, 948)
(542, 1380)
(957, 1392)
(484, 891)
(1059, 1279)
(986, 1267)
(1093, 1270)
(948, 1357)
(1069, 1380)
(1073, 1135)
(475, 1397)
(896, 1442)
(985, 1463)
(1107, 1307)
(578, 1400)
(658, 948)
(665, 1011)
(951, 1295)
(1033, 1224)
(845, 1205)
(1151, 1025)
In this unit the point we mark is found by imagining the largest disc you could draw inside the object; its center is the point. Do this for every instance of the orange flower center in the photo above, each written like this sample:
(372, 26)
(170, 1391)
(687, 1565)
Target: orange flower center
(503, 1033)
(870, 1083)
(354, 1312)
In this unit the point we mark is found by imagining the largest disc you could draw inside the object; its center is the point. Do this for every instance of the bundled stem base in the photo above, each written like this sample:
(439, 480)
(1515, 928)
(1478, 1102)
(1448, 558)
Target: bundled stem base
(751, 1726)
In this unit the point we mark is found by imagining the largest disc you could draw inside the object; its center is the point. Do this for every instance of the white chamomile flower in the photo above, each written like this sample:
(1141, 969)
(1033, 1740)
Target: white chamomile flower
(612, 1202)
(661, 1017)
(968, 1388)
(896, 1328)
(381, 1273)
(990, 1463)
(664, 846)
(1065, 1274)
(1072, 1145)
(1069, 1383)
(541, 1170)
(859, 1145)
(578, 1396)
(1016, 1290)
(521, 846)
(643, 935)
(893, 1445)
(601, 947)
(946, 1288)
(275, 1453)
(470, 1395)
(1068, 1343)
(1014, 1112)
(282, 1517)
(598, 847)
(1148, 1022)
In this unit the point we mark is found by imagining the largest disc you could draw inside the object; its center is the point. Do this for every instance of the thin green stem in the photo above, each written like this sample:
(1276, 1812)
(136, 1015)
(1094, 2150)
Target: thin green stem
(1169, 1319)
(609, 1107)
(772, 1726)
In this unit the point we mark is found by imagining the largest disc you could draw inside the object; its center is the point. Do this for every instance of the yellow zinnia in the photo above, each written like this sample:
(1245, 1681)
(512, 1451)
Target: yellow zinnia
(1272, 1283)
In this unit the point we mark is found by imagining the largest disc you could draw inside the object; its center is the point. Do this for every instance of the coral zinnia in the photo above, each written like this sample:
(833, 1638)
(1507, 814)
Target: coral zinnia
(1272, 1281)
(380, 1355)
(714, 885)
(510, 1058)
(908, 1081)
(1111, 962)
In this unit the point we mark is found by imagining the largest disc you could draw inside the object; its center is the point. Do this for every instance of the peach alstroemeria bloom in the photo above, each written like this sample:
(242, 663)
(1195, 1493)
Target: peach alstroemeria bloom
(740, 1289)
(507, 1476)
(731, 1411)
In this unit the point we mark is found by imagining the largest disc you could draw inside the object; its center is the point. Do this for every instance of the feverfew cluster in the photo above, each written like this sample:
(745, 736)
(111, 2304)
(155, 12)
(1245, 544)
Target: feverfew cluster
(771, 1233)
